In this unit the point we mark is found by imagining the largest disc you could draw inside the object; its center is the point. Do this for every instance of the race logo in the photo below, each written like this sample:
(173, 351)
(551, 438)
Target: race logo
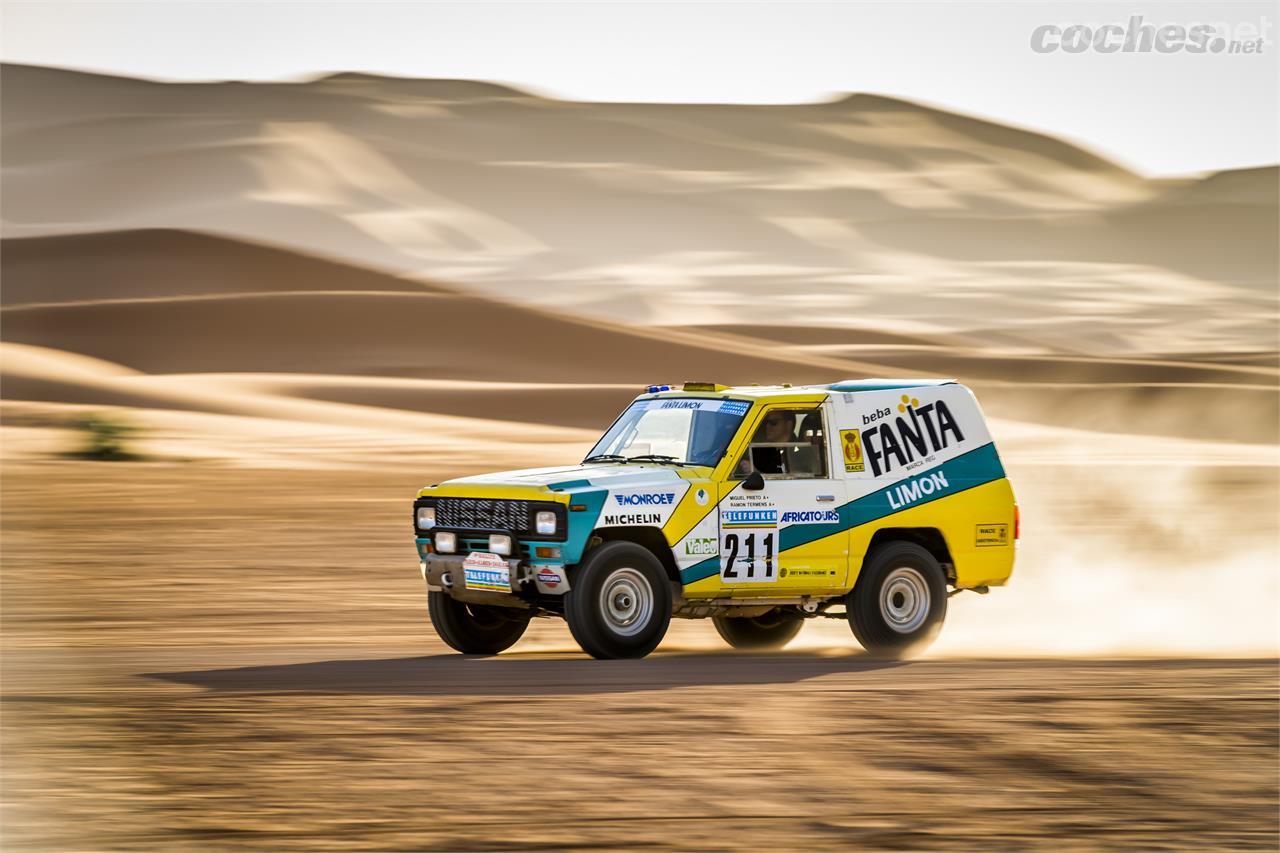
(813, 516)
(917, 432)
(701, 547)
(701, 497)
(851, 440)
(645, 500)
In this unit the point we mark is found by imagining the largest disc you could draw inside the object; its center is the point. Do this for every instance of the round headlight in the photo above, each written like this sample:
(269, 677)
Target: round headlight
(426, 517)
(545, 523)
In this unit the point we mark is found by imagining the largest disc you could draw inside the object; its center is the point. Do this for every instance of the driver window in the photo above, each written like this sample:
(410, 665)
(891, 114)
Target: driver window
(790, 444)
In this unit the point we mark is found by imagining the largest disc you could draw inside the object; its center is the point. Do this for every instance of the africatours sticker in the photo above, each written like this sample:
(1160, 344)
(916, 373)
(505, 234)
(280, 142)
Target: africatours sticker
(813, 516)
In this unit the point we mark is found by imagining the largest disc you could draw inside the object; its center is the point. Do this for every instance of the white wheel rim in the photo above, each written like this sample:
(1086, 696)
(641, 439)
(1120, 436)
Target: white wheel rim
(626, 602)
(904, 600)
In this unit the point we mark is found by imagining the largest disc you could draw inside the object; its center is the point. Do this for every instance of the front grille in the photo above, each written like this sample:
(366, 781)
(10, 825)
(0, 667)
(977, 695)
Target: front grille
(483, 514)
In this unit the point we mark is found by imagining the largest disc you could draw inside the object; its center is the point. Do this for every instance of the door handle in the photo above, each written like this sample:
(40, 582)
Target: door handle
(826, 498)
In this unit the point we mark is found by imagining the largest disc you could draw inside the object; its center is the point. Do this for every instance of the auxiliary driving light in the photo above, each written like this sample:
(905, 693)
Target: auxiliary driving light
(500, 543)
(446, 543)
(426, 517)
(545, 523)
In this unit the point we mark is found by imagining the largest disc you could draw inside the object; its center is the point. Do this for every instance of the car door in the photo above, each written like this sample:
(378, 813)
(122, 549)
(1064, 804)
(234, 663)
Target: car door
(784, 538)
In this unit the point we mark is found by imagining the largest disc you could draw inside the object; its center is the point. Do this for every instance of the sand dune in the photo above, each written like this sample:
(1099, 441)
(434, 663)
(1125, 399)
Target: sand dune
(871, 213)
(241, 308)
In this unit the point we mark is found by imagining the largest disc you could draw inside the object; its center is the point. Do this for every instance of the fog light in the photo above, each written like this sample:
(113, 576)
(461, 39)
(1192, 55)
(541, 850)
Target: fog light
(446, 543)
(426, 517)
(500, 544)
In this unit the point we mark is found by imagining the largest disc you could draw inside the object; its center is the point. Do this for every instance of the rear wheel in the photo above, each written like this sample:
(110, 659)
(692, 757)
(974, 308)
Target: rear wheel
(897, 607)
(770, 631)
(475, 629)
(620, 603)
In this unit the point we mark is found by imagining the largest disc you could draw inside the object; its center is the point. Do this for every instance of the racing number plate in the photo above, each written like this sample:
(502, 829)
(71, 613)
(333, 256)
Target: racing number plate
(749, 555)
(486, 571)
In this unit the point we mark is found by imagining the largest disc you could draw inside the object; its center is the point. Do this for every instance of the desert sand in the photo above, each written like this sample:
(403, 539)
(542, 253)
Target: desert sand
(311, 299)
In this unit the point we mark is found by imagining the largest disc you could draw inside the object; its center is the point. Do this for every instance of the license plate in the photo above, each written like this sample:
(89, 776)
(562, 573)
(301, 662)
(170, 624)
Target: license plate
(485, 571)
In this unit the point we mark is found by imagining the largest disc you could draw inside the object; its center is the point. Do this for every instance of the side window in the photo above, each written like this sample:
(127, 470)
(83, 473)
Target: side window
(790, 444)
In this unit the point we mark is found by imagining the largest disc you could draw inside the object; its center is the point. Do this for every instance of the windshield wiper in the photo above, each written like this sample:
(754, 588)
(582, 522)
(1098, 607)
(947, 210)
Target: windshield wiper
(606, 457)
(658, 457)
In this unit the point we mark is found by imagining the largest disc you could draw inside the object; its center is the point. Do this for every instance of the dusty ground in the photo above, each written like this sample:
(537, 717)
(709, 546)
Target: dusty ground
(199, 657)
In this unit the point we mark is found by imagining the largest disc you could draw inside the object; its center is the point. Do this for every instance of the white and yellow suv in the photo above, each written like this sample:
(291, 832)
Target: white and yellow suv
(755, 506)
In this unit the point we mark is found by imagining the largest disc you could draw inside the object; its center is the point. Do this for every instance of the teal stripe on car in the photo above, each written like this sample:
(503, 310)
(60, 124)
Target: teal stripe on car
(968, 470)
(569, 484)
(698, 571)
(583, 522)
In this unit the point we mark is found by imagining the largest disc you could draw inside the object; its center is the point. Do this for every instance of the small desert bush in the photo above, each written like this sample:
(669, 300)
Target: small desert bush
(106, 438)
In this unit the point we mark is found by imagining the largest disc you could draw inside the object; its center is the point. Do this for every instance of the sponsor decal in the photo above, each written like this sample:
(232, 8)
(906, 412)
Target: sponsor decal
(728, 407)
(549, 578)
(749, 518)
(634, 518)
(645, 499)
(701, 497)
(813, 516)
(483, 570)
(913, 490)
(918, 432)
(851, 441)
(991, 535)
(749, 555)
(700, 547)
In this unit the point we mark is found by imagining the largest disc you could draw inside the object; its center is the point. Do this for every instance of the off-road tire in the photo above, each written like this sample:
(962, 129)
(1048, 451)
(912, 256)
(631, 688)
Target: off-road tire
(770, 631)
(898, 604)
(475, 629)
(619, 605)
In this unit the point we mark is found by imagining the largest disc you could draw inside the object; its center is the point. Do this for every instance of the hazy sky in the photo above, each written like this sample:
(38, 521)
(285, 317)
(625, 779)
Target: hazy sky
(1158, 113)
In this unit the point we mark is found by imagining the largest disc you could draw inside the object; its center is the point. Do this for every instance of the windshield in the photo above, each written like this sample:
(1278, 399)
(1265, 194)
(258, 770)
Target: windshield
(694, 431)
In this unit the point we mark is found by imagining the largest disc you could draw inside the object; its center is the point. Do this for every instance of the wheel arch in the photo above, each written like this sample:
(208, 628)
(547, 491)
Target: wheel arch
(929, 538)
(649, 538)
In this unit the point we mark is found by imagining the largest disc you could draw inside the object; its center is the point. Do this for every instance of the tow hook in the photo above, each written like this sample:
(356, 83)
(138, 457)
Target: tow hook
(980, 590)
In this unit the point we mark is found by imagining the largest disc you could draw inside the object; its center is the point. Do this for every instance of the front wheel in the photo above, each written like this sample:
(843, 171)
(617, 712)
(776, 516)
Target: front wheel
(475, 629)
(897, 607)
(620, 603)
(770, 631)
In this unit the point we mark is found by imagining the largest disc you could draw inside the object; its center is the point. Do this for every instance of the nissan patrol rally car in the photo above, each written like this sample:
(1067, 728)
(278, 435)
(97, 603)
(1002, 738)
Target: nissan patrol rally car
(758, 507)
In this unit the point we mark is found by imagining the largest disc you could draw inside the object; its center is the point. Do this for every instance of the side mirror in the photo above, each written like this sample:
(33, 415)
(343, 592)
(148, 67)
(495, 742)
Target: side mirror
(754, 482)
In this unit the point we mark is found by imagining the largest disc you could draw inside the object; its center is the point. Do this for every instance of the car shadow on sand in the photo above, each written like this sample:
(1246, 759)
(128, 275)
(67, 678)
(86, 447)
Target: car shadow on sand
(535, 673)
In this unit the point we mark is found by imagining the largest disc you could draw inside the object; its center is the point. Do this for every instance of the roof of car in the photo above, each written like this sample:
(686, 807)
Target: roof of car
(706, 389)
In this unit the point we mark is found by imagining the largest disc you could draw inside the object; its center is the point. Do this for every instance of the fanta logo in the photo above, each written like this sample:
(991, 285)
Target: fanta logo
(810, 516)
(918, 432)
(645, 500)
